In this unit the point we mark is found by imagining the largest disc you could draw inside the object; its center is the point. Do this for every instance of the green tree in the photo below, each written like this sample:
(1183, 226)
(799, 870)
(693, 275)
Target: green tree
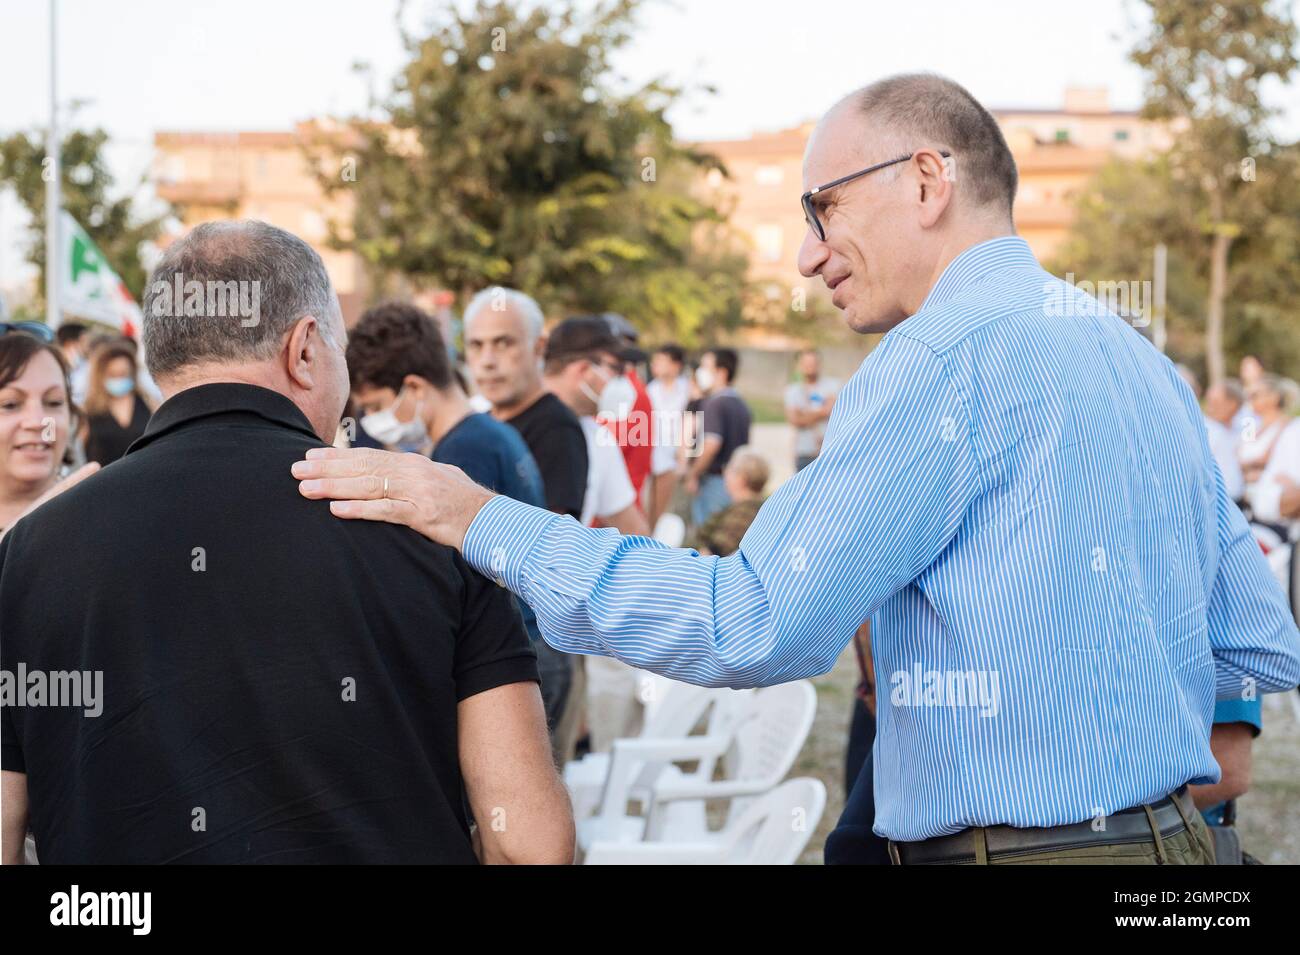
(88, 184)
(509, 153)
(1205, 63)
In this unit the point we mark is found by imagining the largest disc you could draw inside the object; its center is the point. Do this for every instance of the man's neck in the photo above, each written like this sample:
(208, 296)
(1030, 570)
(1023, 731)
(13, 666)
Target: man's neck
(558, 387)
(171, 385)
(451, 409)
(968, 238)
(504, 412)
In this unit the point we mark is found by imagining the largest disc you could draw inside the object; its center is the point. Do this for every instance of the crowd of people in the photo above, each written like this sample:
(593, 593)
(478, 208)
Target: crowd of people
(314, 651)
(560, 418)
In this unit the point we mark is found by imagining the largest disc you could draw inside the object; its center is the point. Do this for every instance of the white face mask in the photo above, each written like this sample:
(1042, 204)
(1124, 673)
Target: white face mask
(704, 378)
(384, 427)
(617, 398)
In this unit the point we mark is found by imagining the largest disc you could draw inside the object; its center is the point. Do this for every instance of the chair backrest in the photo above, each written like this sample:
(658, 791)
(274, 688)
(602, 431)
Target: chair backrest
(775, 727)
(775, 827)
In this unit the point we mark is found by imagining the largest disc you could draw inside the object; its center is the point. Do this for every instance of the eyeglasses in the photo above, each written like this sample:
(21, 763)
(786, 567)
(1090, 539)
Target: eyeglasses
(35, 329)
(810, 210)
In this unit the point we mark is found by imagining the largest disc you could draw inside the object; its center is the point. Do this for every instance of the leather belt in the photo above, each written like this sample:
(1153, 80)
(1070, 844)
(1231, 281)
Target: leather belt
(1170, 815)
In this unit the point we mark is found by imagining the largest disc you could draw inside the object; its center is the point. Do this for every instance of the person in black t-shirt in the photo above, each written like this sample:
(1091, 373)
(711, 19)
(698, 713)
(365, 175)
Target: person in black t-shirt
(116, 410)
(504, 347)
(266, 683)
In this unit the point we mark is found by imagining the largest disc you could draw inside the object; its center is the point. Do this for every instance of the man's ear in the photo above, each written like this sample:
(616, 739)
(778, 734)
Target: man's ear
(936, 184)
(539, 346)
(302, 352)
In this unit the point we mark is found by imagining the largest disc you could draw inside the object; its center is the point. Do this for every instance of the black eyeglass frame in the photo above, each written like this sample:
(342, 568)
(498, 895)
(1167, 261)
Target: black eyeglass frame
(810, 212)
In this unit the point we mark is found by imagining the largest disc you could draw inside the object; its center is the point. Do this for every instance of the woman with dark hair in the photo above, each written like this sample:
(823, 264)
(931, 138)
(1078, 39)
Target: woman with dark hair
(36, 418)
(116, 409)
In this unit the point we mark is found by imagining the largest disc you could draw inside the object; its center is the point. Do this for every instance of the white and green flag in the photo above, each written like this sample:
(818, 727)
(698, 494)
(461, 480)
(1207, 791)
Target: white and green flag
(88, 286)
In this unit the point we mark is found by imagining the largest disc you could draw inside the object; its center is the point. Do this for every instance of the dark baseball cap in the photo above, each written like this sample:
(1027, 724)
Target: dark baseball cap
(581, 337)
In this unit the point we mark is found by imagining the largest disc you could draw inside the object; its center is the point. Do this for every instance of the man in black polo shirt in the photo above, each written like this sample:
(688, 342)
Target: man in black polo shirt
(278, 685)
(504, 346)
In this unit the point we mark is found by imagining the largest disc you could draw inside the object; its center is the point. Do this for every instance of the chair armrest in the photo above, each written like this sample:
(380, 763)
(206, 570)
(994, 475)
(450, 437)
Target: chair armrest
(629, 758)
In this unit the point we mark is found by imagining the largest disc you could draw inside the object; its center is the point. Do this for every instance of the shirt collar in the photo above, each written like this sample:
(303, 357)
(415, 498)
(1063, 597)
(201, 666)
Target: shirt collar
(222, 398)
(977, 262)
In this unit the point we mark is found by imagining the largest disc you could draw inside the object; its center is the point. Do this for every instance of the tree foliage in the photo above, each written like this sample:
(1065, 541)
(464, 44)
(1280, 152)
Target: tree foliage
(1223, 198)
(509, 153)
(88, 195)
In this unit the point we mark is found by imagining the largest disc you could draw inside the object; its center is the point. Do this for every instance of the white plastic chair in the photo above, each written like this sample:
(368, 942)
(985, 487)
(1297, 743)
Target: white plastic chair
(773, 830)
(670, 529)
(767, 743)
(756, 750)
(672, 711)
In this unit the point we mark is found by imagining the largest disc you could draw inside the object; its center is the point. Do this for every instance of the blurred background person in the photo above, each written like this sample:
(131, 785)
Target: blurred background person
(669, 392)
(1222, 403)
(581, 362)
(724, 427)
(745, 477)
(407, 392)
(503, 349)
(1251, 372)
(625, 407)
(36, 419)
(1273, 400)
(808, 404)
(116, 410)
(74, 341)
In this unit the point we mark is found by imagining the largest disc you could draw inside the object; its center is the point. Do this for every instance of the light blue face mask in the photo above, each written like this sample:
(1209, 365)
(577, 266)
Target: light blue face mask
(117, 387)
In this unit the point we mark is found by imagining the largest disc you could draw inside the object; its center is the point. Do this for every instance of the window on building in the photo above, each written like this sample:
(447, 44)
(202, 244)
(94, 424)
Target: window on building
(769, 175)
(1121, 135)
(1062, 135)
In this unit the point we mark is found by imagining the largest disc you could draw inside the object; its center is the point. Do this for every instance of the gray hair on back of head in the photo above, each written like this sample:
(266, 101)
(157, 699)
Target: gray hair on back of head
(498, 298)
(229, 292)
(919, 110)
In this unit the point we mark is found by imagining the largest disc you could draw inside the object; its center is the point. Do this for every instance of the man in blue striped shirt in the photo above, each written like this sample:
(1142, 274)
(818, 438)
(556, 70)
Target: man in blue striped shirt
(1015, 488)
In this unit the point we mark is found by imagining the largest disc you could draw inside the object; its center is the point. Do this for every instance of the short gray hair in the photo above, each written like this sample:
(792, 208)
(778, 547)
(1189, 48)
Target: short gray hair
(229, 292)
(921, 110)
(525, 306)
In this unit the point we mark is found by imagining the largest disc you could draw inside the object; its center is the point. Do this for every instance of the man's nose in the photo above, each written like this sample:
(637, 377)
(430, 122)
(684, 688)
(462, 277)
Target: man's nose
(813, 254)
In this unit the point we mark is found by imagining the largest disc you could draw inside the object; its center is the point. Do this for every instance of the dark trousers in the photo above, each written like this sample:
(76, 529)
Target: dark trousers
(852, 842)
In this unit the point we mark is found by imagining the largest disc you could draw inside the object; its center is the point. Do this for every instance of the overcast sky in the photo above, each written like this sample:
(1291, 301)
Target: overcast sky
(147, 65)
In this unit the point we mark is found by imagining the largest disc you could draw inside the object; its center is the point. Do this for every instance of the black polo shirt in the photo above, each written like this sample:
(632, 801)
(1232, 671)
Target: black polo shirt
(279, 685)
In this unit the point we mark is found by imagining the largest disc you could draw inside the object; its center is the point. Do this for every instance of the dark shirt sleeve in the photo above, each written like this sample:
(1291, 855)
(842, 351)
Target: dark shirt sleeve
(715, 415)
(562, 458)
(492, 648)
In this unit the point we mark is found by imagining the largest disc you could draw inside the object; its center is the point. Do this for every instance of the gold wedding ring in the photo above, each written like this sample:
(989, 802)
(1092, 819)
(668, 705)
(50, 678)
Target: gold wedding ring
(385, 487)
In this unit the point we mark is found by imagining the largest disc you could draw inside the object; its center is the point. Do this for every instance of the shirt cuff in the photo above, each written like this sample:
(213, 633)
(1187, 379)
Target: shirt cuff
(501, 536)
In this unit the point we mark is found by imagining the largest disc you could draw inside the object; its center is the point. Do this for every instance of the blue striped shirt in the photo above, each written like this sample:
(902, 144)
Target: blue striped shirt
(1017, 490)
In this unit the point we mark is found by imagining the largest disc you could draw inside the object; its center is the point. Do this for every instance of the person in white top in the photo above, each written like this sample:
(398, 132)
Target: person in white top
(1273, 400)
(581, 361)
(670, 392)
(808, 404)
(1222, 402)
(1275, 463)
(1251, 373)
